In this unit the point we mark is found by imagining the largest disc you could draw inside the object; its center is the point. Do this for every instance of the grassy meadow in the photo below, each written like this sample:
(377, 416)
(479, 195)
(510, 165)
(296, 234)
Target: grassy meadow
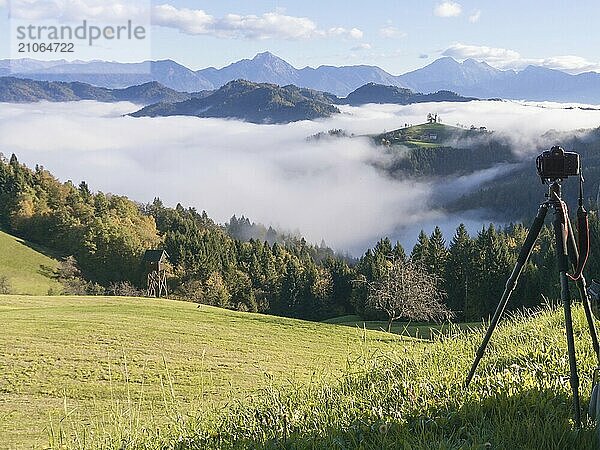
(94, 361)
(412, 329)
(86, 373)
(28, 271)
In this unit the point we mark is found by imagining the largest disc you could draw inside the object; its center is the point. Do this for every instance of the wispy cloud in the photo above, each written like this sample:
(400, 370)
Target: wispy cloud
(391, 32)
(362, 46)
(503, 58)
(353, 33)
(474, 18)
(448, 9)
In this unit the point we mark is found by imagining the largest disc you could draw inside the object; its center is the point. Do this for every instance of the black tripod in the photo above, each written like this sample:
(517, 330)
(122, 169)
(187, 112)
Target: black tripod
(567, 254)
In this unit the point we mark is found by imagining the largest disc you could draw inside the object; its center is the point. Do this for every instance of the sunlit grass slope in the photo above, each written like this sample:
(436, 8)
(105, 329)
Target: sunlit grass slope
(93, 361)
(28, 271)
(411, 329)
(408, 397)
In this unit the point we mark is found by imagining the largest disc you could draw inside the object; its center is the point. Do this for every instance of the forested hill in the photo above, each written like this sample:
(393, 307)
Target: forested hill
(17, 90)
(378, 93)
(434, 150)
(252, 102)
(517, 195)
(269, 103)
(108, 234)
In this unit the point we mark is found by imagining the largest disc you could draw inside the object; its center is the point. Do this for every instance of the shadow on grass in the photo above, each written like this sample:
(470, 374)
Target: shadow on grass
(49, 272)
(530, 420)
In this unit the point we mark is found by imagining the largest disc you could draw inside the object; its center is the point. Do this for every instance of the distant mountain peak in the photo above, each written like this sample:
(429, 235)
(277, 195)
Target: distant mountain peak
(265, 56)
(445, 60)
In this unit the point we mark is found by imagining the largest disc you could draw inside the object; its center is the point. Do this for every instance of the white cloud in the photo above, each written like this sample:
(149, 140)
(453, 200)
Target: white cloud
(503, 58)
(391, 32)
(76, 10)
(473, 18)
(480, 52)
(267, 26)
(363, 46)
(273, 25)
(186, 20)
(2, 3)
(448, 9)
(569, 63)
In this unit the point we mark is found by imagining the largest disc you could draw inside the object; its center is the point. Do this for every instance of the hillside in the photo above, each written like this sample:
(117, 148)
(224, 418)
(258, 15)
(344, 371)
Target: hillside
(425, 135)
(89, 369)
(28, 271)
(377, 93)
(76, 350)
(252, 102)
(16, 90)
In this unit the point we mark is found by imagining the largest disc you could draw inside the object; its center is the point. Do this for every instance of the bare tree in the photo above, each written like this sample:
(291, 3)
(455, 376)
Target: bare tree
(406, 290)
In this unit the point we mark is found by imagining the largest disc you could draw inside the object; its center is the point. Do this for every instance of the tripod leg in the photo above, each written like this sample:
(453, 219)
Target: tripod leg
(560, 232)
(511, 284)
(583, 295)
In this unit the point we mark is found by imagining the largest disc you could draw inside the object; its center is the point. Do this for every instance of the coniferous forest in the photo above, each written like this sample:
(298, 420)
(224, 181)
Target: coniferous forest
(248, 267)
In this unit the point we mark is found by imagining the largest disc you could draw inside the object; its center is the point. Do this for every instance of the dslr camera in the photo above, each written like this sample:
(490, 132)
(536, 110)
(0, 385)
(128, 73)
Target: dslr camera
(556, 164)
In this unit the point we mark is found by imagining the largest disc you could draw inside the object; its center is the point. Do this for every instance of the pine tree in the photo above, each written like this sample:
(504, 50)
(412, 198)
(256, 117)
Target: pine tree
(458, 270)
(435, 259)
(420, 251)
(398, 252)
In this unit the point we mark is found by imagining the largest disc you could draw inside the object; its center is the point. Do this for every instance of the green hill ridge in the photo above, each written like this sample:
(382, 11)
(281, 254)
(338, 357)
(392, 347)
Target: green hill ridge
(28, 271)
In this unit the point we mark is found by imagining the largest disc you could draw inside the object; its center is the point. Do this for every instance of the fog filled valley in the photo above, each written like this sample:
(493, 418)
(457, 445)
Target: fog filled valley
(340, 190)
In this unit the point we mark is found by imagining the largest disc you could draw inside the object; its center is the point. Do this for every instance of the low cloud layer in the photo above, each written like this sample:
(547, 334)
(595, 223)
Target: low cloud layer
(269, 173)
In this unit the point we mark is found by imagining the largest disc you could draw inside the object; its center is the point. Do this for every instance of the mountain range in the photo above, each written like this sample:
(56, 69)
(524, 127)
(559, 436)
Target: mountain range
(468, 78)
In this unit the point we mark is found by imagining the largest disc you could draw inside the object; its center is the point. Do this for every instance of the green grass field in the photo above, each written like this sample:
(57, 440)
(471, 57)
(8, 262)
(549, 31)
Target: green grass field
(154, 374)
(411, 329)
(28, 271)
(426, 135)
(81, 357)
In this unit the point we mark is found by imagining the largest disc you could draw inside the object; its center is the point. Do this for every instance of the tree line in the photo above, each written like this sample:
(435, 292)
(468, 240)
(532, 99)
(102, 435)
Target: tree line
(249, 267)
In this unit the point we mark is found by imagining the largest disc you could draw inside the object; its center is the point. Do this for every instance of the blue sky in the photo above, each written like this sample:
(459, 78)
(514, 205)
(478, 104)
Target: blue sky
(395, 35)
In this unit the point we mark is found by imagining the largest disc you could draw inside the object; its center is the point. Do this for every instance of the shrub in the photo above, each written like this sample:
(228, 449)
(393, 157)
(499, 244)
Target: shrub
(5, 287)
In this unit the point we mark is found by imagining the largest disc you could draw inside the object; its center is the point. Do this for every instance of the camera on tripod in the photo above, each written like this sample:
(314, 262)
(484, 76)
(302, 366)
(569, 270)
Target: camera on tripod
(556, 164)
(553, 166)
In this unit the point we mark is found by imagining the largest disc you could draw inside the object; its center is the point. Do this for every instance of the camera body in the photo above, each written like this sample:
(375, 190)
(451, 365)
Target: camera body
(556, 164)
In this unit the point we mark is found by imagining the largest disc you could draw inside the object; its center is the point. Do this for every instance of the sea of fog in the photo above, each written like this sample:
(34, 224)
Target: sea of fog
(325, 190)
